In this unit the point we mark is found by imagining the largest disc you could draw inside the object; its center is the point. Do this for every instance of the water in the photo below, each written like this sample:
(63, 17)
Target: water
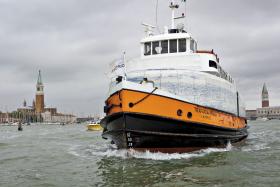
(45, 155)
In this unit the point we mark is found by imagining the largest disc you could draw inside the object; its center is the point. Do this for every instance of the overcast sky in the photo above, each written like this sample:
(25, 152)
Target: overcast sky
(73, 41)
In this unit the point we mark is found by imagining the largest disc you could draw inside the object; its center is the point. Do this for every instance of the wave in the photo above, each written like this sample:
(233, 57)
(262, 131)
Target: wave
(130, 153)
(256, 147)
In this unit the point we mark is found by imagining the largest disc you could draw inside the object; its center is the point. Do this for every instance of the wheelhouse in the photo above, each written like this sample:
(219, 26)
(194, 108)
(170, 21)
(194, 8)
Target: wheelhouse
(177, 43)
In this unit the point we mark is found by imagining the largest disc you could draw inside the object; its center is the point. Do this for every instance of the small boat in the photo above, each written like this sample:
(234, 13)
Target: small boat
(94, 126)
(20, 126)
(262, 119)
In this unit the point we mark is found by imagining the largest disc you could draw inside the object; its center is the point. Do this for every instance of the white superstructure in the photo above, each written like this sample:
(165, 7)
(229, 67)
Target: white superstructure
(172, 61)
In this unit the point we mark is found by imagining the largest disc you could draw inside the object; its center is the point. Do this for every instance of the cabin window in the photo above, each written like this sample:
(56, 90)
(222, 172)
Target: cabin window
(182, 45)
(164, 46)
(173, 46)
(212, 64)
(192, 45)
(156, 48)
(147, 48)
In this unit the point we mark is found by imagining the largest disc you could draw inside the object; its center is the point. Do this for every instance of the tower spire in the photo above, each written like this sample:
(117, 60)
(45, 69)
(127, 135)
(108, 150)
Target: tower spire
(39, 81)
(265, 96)
(39, 103)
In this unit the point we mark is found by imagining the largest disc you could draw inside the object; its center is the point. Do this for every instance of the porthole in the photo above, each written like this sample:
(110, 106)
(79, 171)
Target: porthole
(179, 112)
(189, 115)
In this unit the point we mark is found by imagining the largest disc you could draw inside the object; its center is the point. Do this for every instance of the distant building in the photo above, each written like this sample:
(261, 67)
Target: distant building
(48, 117)
(251, 114)
(265, 97)
(38, 112)
(3, 117)
(85, 119)
(266, 111)
(269, 112)
(8, 118)
(39, 99)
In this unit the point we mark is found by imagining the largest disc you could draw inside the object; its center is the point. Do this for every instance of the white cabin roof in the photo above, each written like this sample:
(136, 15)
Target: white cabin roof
(166, 36)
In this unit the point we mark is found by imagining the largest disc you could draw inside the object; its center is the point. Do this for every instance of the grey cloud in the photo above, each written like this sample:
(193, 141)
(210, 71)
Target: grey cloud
(73, 41)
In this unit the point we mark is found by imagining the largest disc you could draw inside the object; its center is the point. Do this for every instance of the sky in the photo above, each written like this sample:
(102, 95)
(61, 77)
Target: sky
(73, 42)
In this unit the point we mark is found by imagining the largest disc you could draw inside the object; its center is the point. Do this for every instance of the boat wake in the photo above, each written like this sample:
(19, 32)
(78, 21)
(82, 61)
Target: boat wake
(93, 151)
(259, 141)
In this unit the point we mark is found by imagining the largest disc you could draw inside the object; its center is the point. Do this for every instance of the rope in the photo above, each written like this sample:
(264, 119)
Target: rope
(133, 104)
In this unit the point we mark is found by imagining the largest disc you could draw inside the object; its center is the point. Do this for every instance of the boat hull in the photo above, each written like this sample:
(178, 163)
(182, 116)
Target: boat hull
(141, 131)
(143, 118)
(95, 127)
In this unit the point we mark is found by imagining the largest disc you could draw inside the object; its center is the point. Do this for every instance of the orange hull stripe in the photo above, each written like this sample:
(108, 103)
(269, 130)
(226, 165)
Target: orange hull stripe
(170, 108)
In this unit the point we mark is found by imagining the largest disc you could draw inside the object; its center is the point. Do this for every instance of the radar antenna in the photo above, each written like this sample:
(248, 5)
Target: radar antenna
(148, 29)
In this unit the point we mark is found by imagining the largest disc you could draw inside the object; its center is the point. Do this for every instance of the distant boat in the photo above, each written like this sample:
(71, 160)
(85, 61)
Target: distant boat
(262, 119)
(94, 126)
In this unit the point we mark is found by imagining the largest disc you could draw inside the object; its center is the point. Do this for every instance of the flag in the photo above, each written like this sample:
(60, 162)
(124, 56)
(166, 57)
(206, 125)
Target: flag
(118, 68)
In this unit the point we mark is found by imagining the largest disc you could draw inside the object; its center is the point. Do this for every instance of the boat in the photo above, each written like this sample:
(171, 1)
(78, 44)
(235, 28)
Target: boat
(263, 119)
(174, 97)
(94, 126)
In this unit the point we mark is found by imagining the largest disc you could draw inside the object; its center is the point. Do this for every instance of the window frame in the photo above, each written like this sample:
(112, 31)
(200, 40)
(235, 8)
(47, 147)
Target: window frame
(180, 45)
(154, 52)
(145, 49)
(171, 49)
(167, 47)
(213, 64)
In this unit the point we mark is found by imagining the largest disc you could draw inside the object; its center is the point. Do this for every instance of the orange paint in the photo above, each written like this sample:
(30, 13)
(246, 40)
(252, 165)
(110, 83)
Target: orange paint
(168, 107)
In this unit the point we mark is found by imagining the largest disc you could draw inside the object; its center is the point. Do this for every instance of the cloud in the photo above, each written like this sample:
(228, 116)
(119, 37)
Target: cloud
(73, 41)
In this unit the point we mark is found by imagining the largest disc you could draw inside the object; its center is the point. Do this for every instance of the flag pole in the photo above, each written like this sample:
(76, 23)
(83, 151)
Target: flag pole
(124, 61)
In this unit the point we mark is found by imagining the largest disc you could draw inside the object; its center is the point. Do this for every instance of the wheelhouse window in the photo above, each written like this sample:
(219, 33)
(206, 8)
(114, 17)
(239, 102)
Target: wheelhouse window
(173, 46)
(147, 48)
(213, 64)
(192, 45)
(182, 45)
(164, 46)
(156, 48)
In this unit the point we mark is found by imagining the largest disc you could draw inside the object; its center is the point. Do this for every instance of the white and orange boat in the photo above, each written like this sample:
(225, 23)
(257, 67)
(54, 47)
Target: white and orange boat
(174, 97)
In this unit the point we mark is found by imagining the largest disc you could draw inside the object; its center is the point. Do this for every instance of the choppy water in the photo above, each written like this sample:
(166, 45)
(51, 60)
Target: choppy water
(67, 156)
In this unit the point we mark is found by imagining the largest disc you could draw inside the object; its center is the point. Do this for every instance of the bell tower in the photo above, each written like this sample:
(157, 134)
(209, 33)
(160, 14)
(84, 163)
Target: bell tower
(39, 101)
(265, 97)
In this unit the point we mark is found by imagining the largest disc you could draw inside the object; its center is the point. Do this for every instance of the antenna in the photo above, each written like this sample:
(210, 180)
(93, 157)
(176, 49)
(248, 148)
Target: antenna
(157, 16)
(148, 29)
(173, 7)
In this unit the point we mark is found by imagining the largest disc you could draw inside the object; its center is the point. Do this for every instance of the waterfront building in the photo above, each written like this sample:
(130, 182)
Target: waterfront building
(39, 99)
(3, 117)
(48, 117)
(266, 111)
(251, 114)
(38, 112)
(8, 118)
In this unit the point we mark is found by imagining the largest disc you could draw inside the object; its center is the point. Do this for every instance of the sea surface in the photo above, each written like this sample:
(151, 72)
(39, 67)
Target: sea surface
(53, 155)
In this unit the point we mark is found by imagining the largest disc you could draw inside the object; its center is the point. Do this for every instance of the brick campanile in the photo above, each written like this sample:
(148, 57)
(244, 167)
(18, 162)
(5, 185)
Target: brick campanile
(265, 97)
(39, 102)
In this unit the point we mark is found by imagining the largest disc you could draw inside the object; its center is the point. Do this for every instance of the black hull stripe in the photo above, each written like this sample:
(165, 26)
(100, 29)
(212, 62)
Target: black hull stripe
(178, 135)
(107, 118)
(130, 130)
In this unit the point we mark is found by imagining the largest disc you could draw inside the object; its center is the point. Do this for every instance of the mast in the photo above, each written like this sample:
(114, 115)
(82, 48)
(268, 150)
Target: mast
(173, 7)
